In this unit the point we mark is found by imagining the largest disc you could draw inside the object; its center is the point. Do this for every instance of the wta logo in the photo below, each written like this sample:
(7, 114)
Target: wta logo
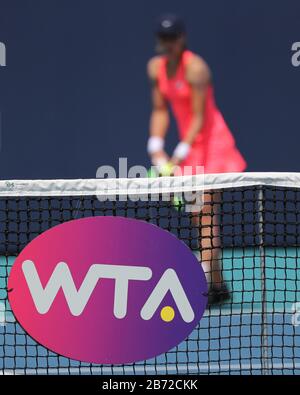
(107, 290)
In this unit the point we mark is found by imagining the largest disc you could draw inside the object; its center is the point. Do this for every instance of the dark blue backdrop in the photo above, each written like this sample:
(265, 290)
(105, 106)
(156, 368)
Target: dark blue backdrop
(74, 94)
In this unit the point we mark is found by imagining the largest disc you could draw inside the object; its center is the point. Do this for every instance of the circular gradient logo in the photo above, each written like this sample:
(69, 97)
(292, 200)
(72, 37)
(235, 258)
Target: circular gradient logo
(107, 290)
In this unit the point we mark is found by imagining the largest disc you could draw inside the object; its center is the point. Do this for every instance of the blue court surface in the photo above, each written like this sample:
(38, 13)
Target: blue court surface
(257, 332)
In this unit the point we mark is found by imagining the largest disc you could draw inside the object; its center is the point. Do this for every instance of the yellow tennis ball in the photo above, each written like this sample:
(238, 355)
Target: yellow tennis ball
(177, 202)
(166, 170)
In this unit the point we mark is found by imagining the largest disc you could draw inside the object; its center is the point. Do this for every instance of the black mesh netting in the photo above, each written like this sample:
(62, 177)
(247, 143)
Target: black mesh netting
(255, 231)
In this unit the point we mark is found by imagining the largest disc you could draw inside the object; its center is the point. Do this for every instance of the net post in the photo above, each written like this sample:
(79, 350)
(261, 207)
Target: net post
(264, 328)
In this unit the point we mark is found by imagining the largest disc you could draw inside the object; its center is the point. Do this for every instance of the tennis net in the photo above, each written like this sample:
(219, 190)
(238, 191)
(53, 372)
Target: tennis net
(257, 217)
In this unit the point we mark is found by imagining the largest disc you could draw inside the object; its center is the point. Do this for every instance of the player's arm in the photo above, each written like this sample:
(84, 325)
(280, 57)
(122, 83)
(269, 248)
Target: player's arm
(159, 119)
(198, 76)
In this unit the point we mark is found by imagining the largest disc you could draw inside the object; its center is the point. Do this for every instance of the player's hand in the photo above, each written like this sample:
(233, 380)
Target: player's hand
(180, 153)
(175, 161)
(160, 158)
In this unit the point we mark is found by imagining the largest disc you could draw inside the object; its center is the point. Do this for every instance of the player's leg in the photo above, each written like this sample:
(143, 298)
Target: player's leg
(209, 236)
(208, 223)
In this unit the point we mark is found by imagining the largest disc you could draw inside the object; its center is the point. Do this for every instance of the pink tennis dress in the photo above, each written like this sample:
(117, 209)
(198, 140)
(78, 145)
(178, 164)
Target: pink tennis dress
(214, 147)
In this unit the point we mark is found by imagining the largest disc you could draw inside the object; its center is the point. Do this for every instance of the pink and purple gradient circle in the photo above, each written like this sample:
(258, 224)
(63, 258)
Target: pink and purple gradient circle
(96, 336)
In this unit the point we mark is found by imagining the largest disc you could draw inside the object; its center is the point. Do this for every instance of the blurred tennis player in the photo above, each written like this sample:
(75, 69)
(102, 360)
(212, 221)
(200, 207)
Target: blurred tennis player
(182, 79)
